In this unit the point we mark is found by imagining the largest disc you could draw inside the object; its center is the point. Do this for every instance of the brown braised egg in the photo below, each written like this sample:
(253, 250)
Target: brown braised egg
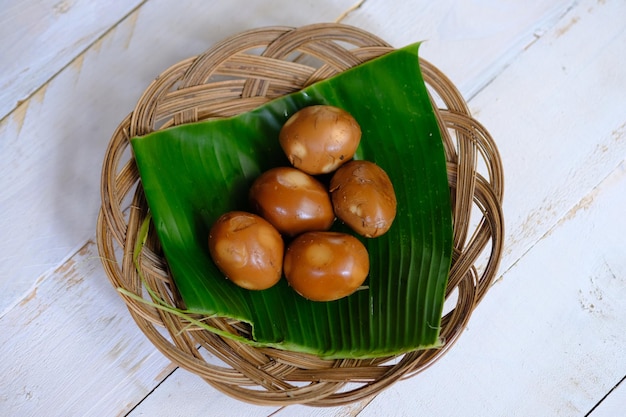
(318, 139)
(326, 266)
(363, 198)
(247, 249)
(292, 201)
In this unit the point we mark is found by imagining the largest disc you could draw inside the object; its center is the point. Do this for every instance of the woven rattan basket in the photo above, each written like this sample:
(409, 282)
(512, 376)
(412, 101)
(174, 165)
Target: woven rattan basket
(238, 75)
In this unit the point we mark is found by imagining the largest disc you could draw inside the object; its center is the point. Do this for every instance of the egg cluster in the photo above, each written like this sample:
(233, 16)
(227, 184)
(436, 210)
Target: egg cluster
(292, 204)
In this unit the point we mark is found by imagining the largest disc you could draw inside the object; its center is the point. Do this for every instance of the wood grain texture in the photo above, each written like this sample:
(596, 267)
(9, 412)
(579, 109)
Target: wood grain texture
(39, 38)
(554, 115)
(69, 347)
(470, 41)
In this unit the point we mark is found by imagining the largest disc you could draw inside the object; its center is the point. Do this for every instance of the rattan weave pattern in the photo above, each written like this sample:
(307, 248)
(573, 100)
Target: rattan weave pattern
(237, 75)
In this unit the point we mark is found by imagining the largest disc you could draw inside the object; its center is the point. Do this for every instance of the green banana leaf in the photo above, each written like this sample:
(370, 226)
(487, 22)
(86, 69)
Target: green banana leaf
(193, 173)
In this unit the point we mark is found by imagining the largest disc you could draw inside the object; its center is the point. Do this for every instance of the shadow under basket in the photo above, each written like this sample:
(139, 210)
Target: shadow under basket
(261, 65)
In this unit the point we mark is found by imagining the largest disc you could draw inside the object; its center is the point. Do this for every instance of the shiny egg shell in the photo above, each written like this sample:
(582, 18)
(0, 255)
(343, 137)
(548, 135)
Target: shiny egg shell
(363, 197)
(318, 139)
(292, 201)
(247, 249)
(326, 266)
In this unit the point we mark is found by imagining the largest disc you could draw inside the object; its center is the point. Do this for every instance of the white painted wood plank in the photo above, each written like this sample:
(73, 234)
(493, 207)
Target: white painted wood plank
(614, 404)
(53, 144)
(557, 117)
(71, 348)
(471, 41)
(549, 339)
(40, 37)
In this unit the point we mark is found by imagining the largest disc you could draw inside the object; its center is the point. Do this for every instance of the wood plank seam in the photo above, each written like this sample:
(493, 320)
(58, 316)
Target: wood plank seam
(154, 388)
(605, 396)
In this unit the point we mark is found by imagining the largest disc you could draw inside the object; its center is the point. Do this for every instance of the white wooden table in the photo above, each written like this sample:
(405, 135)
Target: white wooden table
(547, 78)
